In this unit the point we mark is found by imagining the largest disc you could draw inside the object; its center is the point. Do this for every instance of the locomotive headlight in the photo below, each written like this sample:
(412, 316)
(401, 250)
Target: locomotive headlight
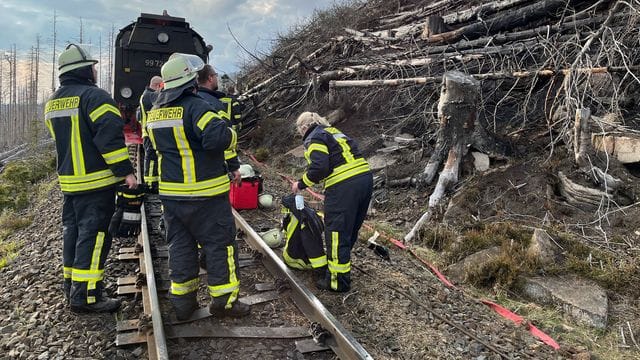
(163, 38)
(126, 92)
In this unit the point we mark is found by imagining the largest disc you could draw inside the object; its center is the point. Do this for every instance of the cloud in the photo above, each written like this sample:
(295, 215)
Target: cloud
(254, 22)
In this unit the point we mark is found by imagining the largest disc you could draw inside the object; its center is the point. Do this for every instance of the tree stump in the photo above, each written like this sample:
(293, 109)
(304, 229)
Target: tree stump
(457, 111)
(433, 25)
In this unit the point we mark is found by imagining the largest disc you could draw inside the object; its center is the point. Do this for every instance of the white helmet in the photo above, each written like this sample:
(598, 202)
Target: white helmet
(180, 69)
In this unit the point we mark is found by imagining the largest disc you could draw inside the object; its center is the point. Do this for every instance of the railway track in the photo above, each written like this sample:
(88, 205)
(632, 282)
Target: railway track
(301, 321)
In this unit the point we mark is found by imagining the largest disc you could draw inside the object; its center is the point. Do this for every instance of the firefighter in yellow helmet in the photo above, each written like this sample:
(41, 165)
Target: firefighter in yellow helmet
(190, 139)
(86, 125)
(335, 160)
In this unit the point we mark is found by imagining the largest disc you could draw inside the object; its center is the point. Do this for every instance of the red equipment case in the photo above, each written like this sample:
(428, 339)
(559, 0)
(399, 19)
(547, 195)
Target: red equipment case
(245, 195)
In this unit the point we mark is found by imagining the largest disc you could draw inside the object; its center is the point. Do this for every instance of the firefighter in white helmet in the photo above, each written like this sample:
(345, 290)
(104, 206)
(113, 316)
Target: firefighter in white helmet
(190, 138)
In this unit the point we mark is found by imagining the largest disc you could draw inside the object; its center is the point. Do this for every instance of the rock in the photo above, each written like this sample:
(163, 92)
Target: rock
(295, 157)
(581, 299)
(336, 116)
(43, 356)
(381, 161)
(542, 247)
(625, 148)
(481, 161)
(458, 271)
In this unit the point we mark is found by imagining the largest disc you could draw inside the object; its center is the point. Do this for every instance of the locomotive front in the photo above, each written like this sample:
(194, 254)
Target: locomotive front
(141, 48)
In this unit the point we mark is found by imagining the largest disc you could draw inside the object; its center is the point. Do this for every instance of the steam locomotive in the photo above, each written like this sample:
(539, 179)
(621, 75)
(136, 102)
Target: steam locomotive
(141, 48)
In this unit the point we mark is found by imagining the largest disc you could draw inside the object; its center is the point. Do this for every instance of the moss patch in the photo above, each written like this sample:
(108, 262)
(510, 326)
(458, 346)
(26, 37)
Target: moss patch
(10, 222)
(18, 186)
(18, 179)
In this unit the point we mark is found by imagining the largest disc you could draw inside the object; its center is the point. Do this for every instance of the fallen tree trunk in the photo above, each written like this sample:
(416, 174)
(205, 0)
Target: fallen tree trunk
(485, 9)
(487, 76)
(510, 20)
(457, 111)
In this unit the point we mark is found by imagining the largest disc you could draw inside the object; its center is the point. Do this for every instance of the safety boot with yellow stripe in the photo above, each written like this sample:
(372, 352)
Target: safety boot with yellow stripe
(218, 307)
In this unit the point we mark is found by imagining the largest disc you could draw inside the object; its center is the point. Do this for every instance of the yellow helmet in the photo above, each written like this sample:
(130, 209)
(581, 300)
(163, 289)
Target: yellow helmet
(74, 57)
(180, 69)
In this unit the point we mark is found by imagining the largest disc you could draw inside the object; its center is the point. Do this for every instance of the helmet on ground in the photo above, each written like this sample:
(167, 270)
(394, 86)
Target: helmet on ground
(273, 238)
(74, 57)
(246, 171)
(180, 69)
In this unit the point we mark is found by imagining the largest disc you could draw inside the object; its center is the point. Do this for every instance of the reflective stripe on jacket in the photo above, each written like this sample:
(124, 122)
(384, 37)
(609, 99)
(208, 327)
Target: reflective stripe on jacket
(190, 139)
(332, 157)
(223, 106)
(86, 125)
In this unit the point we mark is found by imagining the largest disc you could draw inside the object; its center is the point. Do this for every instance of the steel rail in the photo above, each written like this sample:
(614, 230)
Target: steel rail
(342, 341)
(156, 341)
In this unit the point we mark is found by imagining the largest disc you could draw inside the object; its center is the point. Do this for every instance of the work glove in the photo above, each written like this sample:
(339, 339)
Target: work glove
(126, 219)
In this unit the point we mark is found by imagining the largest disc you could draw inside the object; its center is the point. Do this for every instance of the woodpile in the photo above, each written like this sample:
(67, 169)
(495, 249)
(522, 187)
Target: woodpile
(534, 64)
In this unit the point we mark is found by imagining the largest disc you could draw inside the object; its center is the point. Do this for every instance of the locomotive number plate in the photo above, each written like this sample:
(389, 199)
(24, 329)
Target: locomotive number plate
(155, 63)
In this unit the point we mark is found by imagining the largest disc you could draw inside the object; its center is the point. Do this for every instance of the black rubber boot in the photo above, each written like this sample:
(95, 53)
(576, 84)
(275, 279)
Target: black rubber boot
(103, 304)
(184, 305)
(66, 290)
(238, 309)
(325, 284)
(320, 273)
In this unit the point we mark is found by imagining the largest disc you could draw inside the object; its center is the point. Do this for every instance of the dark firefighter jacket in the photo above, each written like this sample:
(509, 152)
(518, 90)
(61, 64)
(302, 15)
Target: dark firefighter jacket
(86, 125)
(232, 107)
(147, 99)
(146, 103)
(223, 105)
(332, 156)
(304, 248)
(190, 138)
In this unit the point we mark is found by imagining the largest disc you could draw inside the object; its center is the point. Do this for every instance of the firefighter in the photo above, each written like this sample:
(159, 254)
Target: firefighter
(149, 95)
(335, 160)
(226, 107)
(190, 138)
(87, 127)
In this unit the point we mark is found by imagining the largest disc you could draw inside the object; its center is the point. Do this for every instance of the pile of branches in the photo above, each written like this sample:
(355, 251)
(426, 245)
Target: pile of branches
(534, 58)
(537, 64)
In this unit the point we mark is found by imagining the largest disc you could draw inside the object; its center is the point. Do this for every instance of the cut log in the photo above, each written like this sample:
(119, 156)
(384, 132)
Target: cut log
(486, 76)
(500, 22)
(625, 148)
(484, 9)
(457, 111)
(433, 26)
(581, 136)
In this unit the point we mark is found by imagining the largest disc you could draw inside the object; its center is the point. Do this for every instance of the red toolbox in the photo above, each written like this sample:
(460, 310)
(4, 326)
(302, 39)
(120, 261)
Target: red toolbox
(245, 195)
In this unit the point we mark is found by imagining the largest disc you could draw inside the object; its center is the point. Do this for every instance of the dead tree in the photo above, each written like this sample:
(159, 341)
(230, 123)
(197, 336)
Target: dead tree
(457, 111)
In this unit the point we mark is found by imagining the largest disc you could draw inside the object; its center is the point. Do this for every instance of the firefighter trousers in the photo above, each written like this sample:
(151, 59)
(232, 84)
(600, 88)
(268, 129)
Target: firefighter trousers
(208, 223)
(86, 244)
(345, 208)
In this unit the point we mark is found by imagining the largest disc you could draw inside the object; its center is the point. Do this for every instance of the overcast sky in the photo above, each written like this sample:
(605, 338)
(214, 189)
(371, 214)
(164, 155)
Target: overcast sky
(254, 22)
